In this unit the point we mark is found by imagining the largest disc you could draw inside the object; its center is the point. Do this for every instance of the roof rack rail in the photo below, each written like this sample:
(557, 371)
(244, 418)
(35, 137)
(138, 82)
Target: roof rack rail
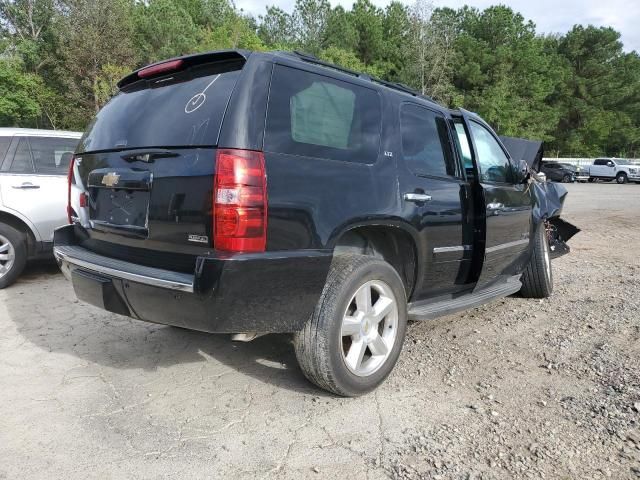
(307, 57)
(403, 88)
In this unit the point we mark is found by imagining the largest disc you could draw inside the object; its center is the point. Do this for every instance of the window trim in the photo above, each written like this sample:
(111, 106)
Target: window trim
(312, 71)
(458, 176)
(477, 160)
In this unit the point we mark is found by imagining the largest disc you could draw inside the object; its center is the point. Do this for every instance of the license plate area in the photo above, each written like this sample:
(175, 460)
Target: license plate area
(120, 208)
(119, 200)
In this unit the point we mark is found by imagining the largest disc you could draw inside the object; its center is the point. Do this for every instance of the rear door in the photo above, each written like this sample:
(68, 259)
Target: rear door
(507, 205)
(437, 198)
(34, 180)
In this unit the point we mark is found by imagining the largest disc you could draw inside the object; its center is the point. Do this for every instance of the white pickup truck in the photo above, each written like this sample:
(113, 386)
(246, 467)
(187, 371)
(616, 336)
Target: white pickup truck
(620, 170)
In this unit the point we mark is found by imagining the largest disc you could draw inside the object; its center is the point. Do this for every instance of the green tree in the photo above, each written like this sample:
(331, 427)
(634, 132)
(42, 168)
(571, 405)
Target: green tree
(340, 31)
(367, 20)
(19, 106)
(600, 97)
(96, 33)
(163, 29)
(276, 29)
(310, 20)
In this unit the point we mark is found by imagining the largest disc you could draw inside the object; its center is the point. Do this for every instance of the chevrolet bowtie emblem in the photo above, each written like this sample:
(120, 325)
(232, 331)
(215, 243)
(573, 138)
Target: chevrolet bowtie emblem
(110, 179)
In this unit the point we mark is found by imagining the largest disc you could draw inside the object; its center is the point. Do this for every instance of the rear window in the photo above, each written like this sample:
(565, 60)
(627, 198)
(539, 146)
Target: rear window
(181, 110)
(51, 156)
(316, 116)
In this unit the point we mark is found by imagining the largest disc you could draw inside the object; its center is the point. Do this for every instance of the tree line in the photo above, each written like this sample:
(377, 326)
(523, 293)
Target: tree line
(60, 60)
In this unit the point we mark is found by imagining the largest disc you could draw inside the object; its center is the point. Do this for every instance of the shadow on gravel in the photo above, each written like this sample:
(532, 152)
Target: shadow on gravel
(43, 307)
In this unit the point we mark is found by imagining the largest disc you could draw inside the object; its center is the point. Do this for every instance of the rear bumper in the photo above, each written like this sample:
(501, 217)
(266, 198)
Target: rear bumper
(269, 292)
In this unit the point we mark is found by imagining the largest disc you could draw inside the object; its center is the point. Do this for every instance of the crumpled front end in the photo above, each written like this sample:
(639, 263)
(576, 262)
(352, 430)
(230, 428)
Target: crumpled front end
(548, 200)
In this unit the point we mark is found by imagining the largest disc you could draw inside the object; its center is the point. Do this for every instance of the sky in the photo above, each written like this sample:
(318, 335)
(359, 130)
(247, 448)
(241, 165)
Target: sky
(550, 16)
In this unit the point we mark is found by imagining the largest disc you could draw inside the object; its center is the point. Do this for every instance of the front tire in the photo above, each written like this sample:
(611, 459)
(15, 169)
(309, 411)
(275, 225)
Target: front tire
(537, 278)
(567, 179)
(621, 178)
(354, 337)
(13, 254)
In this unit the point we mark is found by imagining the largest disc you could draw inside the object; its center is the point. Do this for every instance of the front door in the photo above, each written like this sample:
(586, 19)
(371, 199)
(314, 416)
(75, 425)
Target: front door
(34, 181)
(507, 205)
(436, 197)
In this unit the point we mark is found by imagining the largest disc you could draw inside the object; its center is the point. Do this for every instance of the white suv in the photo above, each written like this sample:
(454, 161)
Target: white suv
(34, 165)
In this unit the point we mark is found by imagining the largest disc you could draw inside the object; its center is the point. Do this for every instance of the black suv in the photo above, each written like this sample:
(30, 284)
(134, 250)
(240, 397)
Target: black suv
(559, 172)
(239, 192)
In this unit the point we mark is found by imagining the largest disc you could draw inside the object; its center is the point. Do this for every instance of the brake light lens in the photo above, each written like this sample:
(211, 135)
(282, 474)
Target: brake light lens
(240, 201)
(70, 180)
(160, 68)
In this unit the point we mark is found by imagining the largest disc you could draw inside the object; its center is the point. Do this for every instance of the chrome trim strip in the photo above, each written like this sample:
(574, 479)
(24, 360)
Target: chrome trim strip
(457, 248)
(502, 246)
(65, 257)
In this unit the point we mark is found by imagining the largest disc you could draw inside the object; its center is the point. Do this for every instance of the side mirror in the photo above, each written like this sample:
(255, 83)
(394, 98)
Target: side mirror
(610, 164)
(522, 172)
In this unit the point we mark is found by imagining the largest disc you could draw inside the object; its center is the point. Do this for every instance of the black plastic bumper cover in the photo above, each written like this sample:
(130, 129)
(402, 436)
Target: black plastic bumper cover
(269, 292)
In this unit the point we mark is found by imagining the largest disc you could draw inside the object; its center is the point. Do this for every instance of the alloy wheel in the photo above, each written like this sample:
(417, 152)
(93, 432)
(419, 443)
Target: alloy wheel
(369, 328)
(7, 256)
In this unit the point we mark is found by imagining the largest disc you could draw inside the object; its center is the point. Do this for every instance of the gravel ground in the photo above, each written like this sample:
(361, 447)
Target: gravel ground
(515, 389)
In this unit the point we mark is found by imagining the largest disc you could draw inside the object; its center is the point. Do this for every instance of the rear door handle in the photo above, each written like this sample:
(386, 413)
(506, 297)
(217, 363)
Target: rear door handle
(26, 186)
(417, 197)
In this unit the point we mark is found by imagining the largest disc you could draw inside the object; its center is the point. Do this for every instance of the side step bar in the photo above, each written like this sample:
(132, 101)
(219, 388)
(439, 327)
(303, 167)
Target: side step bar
(430, 310)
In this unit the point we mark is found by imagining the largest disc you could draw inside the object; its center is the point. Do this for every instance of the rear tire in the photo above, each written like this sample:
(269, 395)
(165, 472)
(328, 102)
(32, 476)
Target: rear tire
(354, 337)
(621, 178)
(537, 278)
(591, 180)
(13, 254)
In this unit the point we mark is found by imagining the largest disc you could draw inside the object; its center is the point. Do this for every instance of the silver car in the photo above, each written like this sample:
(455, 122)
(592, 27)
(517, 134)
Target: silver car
(34, 165)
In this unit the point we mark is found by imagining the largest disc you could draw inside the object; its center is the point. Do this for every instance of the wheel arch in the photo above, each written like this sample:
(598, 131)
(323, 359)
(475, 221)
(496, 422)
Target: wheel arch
(393, 242)
(22, 224)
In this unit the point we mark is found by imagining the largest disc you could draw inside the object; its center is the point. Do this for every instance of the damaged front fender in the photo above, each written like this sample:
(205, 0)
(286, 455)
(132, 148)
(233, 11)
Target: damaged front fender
(548, 200)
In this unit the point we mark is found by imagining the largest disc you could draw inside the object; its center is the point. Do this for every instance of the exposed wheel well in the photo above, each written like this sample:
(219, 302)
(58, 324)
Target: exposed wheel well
(393, 245)
(18, 224)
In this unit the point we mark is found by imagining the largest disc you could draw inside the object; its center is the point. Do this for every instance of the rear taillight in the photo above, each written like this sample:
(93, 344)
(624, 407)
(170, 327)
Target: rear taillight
(240, 201)
(70, 181)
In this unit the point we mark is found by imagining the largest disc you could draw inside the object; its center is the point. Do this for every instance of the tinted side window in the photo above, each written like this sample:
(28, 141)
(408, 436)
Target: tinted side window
(4, 146)
(425, 142)
(51, 156)
(317, 116)
(492, 161)
(462, 141)
(21, 162)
